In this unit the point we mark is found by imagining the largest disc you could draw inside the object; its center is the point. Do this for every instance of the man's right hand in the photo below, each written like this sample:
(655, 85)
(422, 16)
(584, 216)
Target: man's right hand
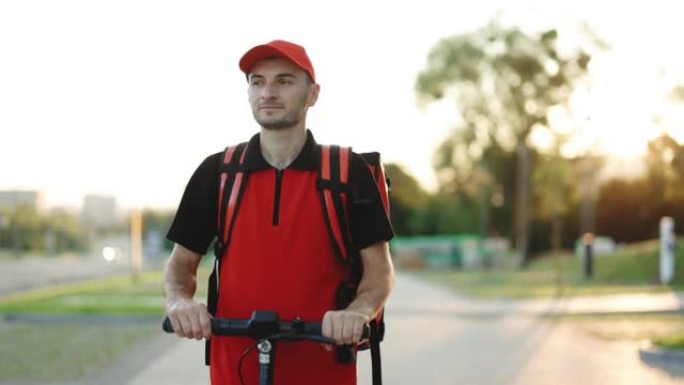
(190, 319)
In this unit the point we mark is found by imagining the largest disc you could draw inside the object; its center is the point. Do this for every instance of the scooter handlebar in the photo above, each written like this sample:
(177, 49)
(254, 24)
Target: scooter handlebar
(265, 324)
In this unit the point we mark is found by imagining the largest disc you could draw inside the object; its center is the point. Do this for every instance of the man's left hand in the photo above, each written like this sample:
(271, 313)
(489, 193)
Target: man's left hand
(344, 326)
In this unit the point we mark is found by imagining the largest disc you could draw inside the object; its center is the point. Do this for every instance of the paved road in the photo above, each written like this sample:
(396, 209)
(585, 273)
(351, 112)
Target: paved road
(440, 339)
(31, 273)
(435, 337)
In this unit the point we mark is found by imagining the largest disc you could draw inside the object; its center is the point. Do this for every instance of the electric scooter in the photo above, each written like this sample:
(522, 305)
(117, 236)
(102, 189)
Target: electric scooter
(265, 327)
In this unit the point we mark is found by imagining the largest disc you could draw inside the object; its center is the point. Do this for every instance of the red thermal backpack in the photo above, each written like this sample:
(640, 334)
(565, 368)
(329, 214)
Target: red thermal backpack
(332, 183)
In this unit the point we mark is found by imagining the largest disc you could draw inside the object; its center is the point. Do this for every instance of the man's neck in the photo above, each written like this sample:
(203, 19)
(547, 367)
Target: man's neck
(280, 147)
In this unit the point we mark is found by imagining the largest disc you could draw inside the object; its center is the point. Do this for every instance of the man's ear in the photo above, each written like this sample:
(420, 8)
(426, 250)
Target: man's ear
(313, 97)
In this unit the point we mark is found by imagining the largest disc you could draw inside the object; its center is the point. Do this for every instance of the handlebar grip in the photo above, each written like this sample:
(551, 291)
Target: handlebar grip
(218, 326)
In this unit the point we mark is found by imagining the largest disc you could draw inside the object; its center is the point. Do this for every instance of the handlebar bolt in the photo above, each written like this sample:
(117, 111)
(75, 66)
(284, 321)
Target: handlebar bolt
(265, 346)
(298, 325)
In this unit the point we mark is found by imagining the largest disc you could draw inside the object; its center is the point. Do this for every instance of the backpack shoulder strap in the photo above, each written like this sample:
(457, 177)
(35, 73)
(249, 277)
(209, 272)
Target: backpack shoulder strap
(232, 182)
(232, 179)
(333, 185)
(378, 324)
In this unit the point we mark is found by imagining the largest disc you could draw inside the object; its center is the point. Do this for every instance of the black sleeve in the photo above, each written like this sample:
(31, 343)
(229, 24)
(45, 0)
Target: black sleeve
(368, 221)
(194, 225)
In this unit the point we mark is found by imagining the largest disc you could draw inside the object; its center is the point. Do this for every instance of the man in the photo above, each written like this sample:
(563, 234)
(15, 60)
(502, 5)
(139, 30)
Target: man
(280, 255)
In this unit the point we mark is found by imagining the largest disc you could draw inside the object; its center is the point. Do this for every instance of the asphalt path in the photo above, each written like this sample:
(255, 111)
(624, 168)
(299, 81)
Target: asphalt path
(23, 274)
(438, 338)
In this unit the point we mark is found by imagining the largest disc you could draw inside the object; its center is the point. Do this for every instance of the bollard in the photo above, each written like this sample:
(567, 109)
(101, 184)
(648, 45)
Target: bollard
(588, 242)
(667, 249)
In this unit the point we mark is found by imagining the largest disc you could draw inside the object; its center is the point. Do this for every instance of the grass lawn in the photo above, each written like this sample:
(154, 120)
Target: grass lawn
(108, 296)
(635, 327)
(35, 352)
(632, 269)
(527, 284)
(671, 341)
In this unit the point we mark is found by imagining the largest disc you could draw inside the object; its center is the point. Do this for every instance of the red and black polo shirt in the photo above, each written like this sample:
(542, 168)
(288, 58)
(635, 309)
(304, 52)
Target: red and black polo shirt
(280, 256)
(194, 225)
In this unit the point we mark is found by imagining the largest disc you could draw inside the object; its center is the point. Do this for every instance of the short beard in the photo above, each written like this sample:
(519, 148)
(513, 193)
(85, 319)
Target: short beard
(289, 120)
(281, 124)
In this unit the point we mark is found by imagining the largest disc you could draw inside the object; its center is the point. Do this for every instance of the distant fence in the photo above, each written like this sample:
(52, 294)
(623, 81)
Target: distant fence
(459, 250)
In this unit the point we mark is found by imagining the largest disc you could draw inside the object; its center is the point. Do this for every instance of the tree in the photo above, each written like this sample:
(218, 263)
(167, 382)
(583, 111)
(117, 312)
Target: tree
(505, 81)
(664, 161)
(626, 211)
(25, 231)
(677, 95)
(64, 231)
(555, 180)
(158, 222)
(407, 199)
(630, 210)
(445, 215)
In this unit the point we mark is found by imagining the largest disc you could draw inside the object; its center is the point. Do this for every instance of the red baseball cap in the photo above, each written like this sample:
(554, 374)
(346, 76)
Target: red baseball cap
(278, 48)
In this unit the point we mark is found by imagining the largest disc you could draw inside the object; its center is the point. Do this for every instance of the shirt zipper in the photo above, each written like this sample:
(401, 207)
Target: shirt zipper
(276, 203)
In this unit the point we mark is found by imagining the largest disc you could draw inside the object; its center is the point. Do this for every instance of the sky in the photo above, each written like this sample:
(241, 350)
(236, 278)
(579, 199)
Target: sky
(125, 98)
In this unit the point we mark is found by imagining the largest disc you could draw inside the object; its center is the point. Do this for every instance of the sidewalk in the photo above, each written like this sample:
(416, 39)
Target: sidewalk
(184, 362)
(615, 303)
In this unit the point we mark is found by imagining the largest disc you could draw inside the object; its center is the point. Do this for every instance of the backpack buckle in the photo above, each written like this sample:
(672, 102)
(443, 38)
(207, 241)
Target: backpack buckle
(219, 249)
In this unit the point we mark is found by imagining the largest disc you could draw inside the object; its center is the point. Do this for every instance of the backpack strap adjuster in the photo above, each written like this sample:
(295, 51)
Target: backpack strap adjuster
(334, 186)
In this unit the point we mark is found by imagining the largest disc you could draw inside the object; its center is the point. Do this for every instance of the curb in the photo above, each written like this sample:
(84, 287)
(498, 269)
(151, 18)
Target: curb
(670, 360)
(97, 319)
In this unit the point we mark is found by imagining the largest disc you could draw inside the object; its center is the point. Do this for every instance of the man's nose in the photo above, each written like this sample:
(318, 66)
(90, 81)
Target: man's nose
(268, 91)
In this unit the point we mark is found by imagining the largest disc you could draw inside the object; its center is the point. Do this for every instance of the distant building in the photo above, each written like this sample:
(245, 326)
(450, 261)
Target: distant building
(99, 212)
(11, 199)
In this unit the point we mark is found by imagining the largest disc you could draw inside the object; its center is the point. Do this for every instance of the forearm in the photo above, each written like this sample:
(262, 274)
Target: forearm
(377, 281)
(370, 298)
(180, 275)
(189, 318)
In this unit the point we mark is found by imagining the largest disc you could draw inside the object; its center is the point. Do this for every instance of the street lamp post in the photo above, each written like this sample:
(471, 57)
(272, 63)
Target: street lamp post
(588, 249)
(136, 244)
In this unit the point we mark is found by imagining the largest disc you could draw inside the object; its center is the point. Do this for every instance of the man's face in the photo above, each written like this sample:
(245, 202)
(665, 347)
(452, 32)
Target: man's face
(280, 93)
